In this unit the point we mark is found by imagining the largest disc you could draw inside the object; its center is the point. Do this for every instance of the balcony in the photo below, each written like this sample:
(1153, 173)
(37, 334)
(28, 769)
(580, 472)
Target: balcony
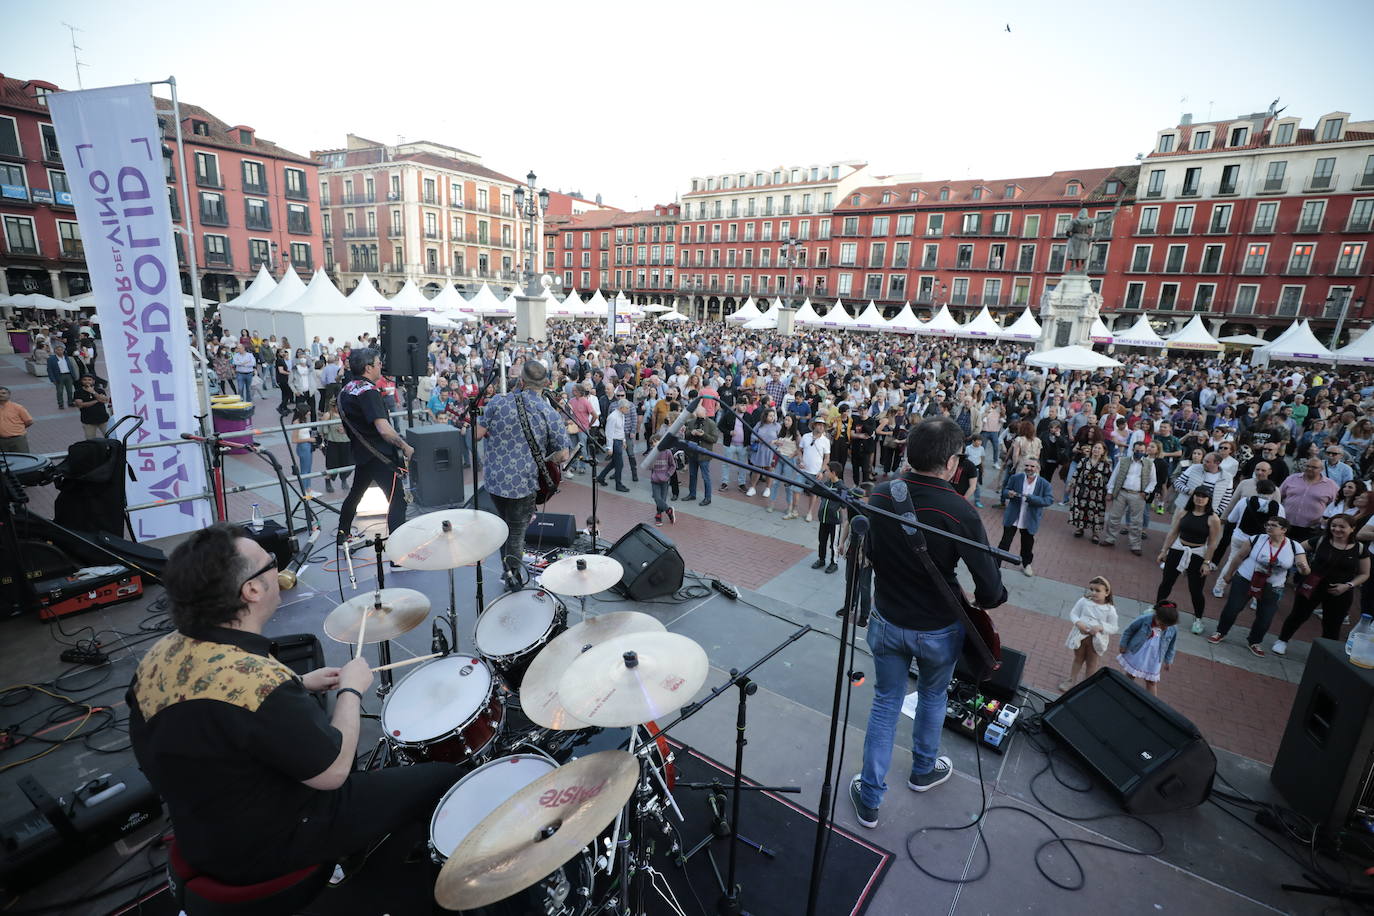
(431, 199)
(1153, 193)
(1252, 270)
(350, 200)
(1357, 225)
(296, 193)
(1262, 229)
(258, 222)
(73, 249)
(934, 233)
(362, 265)
(1219, 227)
(962, 264)
(218, 259)
(213, 217)
(1298, 269)
(393, 269)
(1097, 266)
(1190, 190)
(209, 181)
(395, 232)
(433, 234)
(1365, 182)
(1308, 226)
(1226, 189)
(1186, 229)
(1350, 269)
(897, 263)
(1272, 186)
(358, 232)
(1025, 266)
(259, 188)
(1319, 184)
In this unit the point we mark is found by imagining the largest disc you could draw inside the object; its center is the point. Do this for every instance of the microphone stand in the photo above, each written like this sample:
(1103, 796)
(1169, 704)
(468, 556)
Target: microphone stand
(470, 417)
(859, 509)
(592, 449)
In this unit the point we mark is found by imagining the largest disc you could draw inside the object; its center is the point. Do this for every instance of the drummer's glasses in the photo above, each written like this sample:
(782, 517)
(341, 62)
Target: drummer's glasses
(271, 565)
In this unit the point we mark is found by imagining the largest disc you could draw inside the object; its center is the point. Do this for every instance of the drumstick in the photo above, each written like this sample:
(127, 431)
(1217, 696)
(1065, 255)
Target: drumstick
(362, 630)
(409, 661)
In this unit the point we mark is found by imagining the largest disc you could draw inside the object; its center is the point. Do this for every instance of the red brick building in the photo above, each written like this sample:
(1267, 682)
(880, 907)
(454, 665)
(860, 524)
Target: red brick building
(614, 250)
(252, 200)
(969, 243)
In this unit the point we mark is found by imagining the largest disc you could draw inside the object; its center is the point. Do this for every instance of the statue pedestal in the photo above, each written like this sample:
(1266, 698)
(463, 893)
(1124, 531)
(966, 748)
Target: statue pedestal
(1068, 313)
(531, 318)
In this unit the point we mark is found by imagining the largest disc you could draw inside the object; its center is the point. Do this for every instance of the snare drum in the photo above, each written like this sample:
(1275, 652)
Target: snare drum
(447, 710)
(514, 627)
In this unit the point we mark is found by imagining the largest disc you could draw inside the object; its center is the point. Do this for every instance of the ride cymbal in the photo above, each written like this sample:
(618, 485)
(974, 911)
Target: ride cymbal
(539, 698)
(536, 830)
(632, 679)
(446, 539)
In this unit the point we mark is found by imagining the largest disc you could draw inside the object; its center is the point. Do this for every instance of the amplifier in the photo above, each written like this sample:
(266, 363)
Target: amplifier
(86, 589)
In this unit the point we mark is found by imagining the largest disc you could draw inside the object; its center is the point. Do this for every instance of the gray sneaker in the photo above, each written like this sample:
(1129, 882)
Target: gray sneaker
(865, 815)
(924, 782)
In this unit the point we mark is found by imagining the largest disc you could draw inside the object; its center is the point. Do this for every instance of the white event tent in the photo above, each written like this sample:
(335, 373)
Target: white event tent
(409, 300)
(1359, 351)
(44, 303)
(942, 324)
(231, 313)
(1140, 334)
(746, 312)
(905, 321)
(1194, 336)
(322, 311)
(1071, 358)
(768, 321)
(365, 300)
(1023, 328)
(1243, 340)
(261, 315)
(1098, 333)
(1297, 344)
(982, 325)
(449, 303)
(806, 314)
(870, 319)
(673, 315)
(837, 317)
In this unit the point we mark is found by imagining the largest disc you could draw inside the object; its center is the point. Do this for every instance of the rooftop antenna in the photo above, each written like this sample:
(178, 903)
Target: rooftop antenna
(76, 60)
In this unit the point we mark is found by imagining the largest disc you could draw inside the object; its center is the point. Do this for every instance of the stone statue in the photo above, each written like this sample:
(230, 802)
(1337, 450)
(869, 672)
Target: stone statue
(1081, 229)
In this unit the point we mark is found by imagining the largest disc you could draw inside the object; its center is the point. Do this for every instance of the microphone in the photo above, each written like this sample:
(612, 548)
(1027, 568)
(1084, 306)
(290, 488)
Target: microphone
(670, 435)
(438, 642)
(288, 577)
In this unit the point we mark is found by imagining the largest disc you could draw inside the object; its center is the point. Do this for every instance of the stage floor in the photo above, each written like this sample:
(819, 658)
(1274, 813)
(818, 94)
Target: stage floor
(1210, 861)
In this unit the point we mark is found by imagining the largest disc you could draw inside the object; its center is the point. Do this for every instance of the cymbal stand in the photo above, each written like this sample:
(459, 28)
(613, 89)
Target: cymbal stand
(383, 647)
(452, 614)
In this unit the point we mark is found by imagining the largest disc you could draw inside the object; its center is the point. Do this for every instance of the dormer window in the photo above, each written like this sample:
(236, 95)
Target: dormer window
(40, 95)
(200, 128)
(1112, 187)
(1331, 128)
(1072, 189)
(887, 197)
(1240, 136)
(915, 196)
(245, 137)
(1009, 191)
(1202, 139)
(944, 193)
(1166, 143)
(1283, 133)
(977, 193)
(854, 200)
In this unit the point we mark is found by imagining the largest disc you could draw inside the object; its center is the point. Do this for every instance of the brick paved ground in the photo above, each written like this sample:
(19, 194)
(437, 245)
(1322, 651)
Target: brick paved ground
(1239, 702)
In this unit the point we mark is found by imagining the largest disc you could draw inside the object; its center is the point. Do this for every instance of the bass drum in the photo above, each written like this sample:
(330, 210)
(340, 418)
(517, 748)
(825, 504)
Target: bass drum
(566, 892)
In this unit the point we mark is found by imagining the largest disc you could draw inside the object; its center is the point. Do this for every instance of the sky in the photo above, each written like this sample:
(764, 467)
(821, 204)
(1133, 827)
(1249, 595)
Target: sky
(631, 100)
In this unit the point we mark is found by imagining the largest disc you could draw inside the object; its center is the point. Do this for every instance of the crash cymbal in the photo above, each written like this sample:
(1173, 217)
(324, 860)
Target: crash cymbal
(536, 830)
(632, 679)
(402, 610)
(446, 539)
(585, 575)
(539, 689)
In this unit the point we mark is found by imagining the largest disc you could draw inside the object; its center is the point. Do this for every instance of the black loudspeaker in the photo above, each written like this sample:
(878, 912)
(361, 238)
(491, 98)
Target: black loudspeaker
(551, 529)
(1150, 757)
(404, 340)
(1004, 683)
(436, 468)
(653, 567)
(1325, 765)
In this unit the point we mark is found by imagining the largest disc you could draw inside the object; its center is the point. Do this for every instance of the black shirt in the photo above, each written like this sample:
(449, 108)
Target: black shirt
(902, 595)
(94, 412)
(227, 735)
(361, 406)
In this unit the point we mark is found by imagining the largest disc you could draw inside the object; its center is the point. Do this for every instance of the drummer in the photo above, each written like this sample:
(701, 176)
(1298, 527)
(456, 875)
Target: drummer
(258, 781)
(14, 424)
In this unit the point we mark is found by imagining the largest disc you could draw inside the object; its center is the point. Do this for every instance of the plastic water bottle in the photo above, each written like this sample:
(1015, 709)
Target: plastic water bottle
(1359, 646)
(256, 525)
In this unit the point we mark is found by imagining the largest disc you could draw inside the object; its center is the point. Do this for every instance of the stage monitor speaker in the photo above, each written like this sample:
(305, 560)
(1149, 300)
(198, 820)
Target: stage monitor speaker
(404, 341)
(1150, 757)
(551, 529)
(653, 567)
(436, 468)
(1003, 683)
(1325, 765)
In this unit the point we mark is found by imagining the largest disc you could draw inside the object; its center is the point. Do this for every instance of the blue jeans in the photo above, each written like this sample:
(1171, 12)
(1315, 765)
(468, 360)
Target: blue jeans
(894, 647)
(245, 381)
(660, 491)
(994, 447)
(305, 452)
(793, 477)
(704, 464)
(735, 453)
(1236, 600)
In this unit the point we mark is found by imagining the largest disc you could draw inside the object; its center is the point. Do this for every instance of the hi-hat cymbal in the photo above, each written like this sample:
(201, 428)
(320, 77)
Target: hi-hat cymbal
(446, 539)
(536, 830)
(539, 689)
(585, 575)
(402, 610)
(632, 679)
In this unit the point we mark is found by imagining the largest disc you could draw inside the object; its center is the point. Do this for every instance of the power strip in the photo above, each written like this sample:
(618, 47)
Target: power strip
(726, 589)
(82, 657)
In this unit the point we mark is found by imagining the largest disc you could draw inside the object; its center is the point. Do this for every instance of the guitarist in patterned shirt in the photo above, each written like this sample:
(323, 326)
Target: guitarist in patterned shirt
(911, 617)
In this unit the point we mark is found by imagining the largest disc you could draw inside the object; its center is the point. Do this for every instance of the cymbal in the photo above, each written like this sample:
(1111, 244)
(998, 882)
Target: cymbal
(604, 687)
(539, 689)
(536, 830)
(403, 609)
(584, 575)
(446, 539)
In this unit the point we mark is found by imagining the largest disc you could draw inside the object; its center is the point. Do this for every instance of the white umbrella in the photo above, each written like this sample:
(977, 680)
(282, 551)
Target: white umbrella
(1074, 357)
(657, 307)
(1243, 340)
(673, 315)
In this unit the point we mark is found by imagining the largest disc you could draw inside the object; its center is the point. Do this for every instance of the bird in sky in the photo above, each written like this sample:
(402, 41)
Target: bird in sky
(1008, 27)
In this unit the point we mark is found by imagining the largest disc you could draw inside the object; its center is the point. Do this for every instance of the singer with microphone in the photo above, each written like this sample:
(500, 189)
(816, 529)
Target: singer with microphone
(257, 779)
(377, 447)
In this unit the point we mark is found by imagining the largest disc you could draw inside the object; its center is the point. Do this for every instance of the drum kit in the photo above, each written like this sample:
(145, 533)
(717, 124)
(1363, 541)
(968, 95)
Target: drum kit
(529, 827)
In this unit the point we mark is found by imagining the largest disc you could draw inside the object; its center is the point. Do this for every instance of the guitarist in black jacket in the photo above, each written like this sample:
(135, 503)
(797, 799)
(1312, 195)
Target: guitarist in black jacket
(911, 618)
(377, 447)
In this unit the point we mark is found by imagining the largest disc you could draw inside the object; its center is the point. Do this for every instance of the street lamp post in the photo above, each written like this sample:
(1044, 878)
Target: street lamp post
(530, 206)
(789, 247)
(1344, 292)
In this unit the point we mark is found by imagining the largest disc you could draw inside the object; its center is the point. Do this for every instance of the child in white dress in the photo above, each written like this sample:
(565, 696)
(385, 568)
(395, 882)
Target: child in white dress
(1094, 621)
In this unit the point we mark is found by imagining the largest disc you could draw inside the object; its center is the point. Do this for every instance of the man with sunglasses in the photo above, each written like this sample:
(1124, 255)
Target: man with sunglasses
(258, 781)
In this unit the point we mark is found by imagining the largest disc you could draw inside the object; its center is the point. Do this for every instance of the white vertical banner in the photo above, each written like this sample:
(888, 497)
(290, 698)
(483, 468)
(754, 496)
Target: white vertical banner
(112, 149)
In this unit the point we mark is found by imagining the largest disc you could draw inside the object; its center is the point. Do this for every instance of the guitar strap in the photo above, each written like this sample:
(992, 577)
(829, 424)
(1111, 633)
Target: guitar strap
(535, 451)
(976, 648)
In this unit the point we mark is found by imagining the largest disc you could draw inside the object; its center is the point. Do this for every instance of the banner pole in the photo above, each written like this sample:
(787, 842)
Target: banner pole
(202, 369)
